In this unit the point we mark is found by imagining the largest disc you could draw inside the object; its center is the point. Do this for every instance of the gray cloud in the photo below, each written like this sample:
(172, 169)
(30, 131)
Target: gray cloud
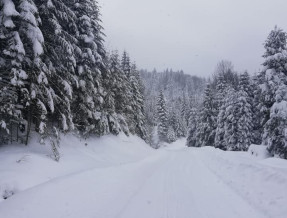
(192, 35)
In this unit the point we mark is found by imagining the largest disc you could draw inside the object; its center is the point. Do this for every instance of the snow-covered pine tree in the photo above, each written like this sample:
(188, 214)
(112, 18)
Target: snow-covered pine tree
(177, 124)
(220, 128)
(230, 119)
(275, 87)
(207, 120)
(117, 83)
(171, 137)
(220, 107)
(245, 121)
(112, 83)
(12, 76)
(137, 102)
(162, 117)
(40, 102)
(88, 106)
(191, 138)
(184, 110)
(60, 31)
(27, 51)
(220, 92)
(257, 131)
(128, 95)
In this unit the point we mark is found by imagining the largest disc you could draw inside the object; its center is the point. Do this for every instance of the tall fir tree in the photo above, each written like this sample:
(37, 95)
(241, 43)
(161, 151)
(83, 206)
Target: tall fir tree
(231, 117)
(274, 92)
(12, 75)
(258, 113)
(162, 117)
(89, 98)
(60, 47)
(207, 120)
(245, 121)
(137, 103)
(127, 108)
(193, 122)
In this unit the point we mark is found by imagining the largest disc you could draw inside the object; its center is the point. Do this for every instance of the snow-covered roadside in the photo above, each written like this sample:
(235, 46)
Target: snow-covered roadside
(123, 177)
(261, 182)
(24, 167)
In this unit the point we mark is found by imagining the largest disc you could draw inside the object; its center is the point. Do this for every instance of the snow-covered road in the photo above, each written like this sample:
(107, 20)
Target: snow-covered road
(169, 183)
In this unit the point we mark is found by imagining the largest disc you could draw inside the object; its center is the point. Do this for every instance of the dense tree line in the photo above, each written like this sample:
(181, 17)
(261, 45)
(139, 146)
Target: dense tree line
(238, 110)
(169, 99)
(55, 74)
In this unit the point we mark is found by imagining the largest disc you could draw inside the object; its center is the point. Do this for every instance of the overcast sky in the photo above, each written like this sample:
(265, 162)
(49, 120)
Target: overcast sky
(192, 35)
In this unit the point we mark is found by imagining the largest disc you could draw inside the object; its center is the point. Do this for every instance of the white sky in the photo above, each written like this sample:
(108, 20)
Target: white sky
(192, 35)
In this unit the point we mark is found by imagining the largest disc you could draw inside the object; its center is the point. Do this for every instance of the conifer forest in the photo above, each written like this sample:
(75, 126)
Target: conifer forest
(57, 76)
(135, 142)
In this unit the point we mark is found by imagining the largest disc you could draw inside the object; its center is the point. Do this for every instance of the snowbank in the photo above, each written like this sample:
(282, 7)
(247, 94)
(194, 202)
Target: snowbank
(259, 151)
(24, 167)
(261, 182)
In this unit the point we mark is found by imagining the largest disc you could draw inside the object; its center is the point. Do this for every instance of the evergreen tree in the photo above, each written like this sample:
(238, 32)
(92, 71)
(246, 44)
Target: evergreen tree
(171, 137)
(61, 50)
(128, 95)
(177, 124)
(207, 120)
(231, 129)
(220, 92)
(220, 106)
(193, 122)
(162, 117)
(137, 103)
(12, 75)
(245, 121)
(113, 83)
(220, 137)
(40, 102)
(23, 41)
(274, 92)
(258, 113)
(90, 115)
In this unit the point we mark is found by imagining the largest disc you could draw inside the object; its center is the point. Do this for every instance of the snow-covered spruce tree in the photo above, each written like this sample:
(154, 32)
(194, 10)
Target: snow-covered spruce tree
(118, 82)
(207, 120)
(90, 116)
(115, 94)
(220, 127)
(245, 120)
(35, 93)
(257, 131)
(220, 92)
(191, 138)
(275, 46)
(177, 124)
(60, 47)
(275, 87)
(40, 101)
(171, 137)
(12, 76)
(230, 119)
(220, 107)
(128, 102)
(137, 103)
(162, 117)
(184, 111)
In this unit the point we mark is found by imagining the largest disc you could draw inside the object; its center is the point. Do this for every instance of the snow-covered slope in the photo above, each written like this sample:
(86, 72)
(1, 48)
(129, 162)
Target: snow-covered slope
(23, 167)
(122, 177)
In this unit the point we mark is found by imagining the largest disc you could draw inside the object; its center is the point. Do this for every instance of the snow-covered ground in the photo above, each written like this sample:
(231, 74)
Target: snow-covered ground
(124, 178)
